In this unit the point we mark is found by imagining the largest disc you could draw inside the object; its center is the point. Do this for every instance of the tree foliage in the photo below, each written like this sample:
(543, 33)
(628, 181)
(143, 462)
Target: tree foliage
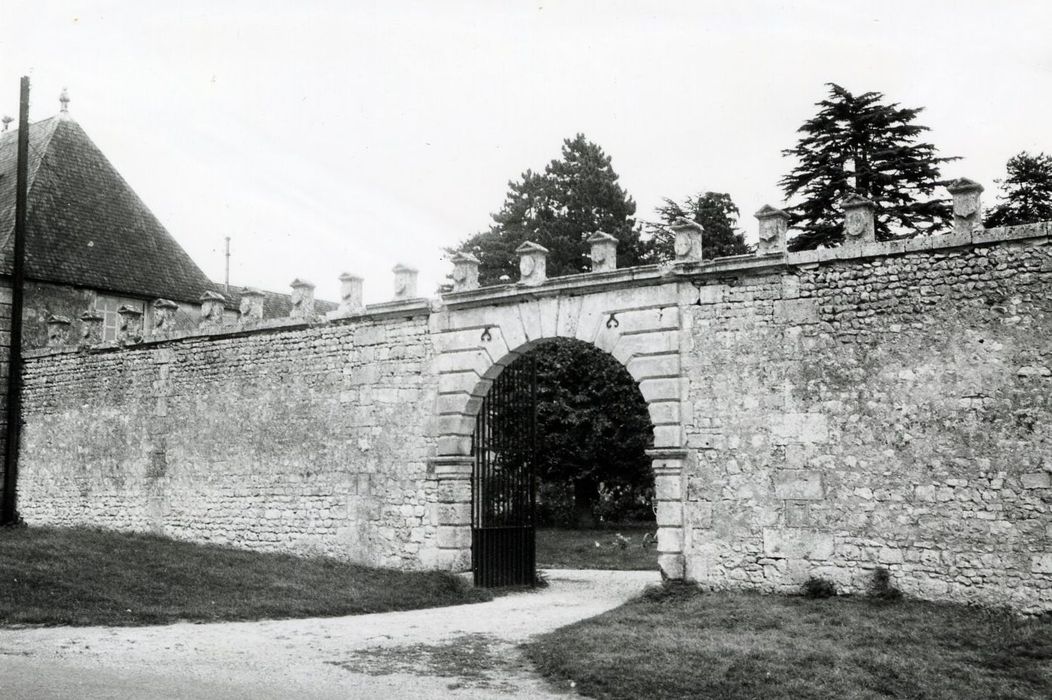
(717, 214)
(592, 421)
(576, 195)
(1026, 192)
(593, 426)
(891, 166)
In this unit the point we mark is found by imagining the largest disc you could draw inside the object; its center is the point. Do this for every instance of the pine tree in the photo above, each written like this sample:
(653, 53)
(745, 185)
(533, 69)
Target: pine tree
(891, 167)
(1026, 193)
(717, 214)
(576, 195)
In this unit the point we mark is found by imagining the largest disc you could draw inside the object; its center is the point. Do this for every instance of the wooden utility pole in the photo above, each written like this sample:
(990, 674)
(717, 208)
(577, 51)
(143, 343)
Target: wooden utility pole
(8, 505)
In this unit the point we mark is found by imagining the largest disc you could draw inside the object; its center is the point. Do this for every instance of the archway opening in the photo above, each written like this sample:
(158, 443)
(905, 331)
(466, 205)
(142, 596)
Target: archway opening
(593, 485)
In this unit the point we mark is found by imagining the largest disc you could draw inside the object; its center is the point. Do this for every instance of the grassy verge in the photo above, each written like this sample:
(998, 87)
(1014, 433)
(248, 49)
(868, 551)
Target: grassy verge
(681, 643)
(576, 549)
(92, 577)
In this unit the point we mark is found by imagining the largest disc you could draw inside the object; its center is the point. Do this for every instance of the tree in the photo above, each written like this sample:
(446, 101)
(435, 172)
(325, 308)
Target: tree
(591, 415)
(877, 145)
(1026, 192)
(576, 195)
(594, 426)
(717, 214)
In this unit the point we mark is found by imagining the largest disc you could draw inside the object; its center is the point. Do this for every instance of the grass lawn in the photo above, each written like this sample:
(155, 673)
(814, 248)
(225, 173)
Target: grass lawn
(93, 577)
(678, 642)
(576, 549)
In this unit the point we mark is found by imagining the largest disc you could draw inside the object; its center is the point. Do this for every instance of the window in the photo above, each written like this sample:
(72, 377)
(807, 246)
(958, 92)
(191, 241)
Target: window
(107, 306)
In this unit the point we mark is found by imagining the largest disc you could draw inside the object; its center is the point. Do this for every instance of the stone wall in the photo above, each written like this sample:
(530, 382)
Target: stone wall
(302, 439)
(815, 414)
(891, 411)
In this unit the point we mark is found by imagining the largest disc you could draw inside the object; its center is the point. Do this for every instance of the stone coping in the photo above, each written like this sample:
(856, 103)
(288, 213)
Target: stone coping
(593, 282)
(917, 244)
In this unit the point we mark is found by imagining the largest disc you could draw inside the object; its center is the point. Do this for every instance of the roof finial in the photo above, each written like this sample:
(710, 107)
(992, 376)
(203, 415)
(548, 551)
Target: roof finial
(7, 119)
(64, 100)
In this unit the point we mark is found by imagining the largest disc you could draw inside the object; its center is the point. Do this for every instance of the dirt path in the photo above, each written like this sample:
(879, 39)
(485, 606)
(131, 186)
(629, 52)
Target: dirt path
(459, 652)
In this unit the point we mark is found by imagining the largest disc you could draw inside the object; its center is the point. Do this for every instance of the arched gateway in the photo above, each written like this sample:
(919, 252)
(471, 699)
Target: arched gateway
(633, 315)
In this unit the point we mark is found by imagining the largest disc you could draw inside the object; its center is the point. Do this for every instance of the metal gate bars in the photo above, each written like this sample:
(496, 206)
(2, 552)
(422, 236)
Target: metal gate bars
(503, 482)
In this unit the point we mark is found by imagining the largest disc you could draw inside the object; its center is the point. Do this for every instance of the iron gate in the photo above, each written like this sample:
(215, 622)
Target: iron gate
(503, 482)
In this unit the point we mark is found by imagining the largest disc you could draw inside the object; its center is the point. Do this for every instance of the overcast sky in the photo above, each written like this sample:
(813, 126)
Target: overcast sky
(336, 136)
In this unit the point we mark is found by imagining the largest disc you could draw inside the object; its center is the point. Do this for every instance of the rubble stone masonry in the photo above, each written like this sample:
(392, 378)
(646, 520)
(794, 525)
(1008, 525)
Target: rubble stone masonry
(816, 414)
(890, 411)
(307, 439)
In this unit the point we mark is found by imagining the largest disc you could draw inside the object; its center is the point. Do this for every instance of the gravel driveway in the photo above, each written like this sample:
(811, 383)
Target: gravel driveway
(466, 651)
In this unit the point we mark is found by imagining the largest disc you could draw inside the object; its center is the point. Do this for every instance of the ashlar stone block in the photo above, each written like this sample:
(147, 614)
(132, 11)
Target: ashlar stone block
(798, 484)
(1036, 480)
(669, 513)
(670, 539)
(791, 312)
(781, 543)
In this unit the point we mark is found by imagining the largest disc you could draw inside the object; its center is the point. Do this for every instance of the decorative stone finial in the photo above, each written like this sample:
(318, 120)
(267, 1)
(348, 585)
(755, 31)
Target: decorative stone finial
(251, 307)
(302, 299)
(967, 205)
(688, 240)
(163, 316)
(129, 325)
(351, 290)
(604, 251)
(63, 100)
(859, 224)
(774, 223)
(58, 331)
(91, 328)
(533, 263)
(212, 304)
(6, 120)
(465, 272)
(404, 282)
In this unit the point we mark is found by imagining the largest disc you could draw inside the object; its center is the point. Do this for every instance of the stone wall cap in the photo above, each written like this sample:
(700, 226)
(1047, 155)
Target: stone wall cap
(400, 267)
(399, 306)
(129, 310)
(682, 223)
(301, 283)
(59, 319)
(963, 185)
(91, 316)
(463, 256)
(767, 212)
(252, 292)
(856, 201)
(164, 304)
(213, 296)
(530, 247)
(350, 277)
(600, 237)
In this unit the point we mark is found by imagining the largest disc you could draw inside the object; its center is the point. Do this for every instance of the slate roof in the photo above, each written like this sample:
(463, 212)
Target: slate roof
(86, 226)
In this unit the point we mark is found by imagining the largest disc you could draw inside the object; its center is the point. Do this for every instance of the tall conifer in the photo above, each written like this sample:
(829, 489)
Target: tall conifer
(857, 144)
(1026, 192)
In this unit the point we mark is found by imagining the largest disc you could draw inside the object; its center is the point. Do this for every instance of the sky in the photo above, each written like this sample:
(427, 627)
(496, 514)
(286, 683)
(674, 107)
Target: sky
(337, 136)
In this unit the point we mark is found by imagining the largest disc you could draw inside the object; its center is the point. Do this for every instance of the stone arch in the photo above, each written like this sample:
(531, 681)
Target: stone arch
(640, 327)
